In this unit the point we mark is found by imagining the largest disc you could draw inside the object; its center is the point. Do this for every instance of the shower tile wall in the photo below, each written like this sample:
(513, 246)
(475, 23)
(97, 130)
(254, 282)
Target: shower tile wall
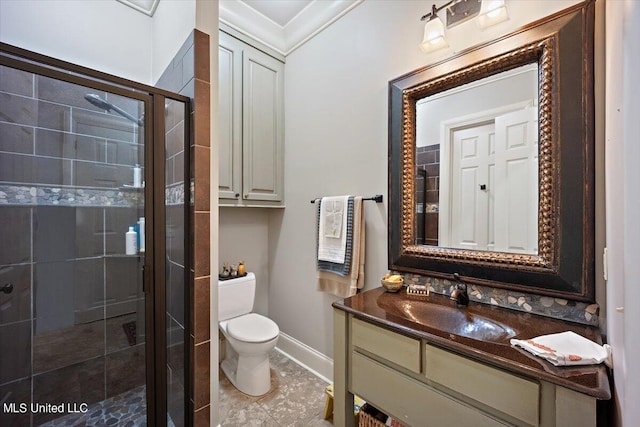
(63, 245)
(427, 158)
(188, 74)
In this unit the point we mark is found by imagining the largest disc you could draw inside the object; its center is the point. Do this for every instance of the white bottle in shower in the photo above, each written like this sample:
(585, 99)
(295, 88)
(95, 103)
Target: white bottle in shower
(141, 226)
(137, 176)
(130, 241)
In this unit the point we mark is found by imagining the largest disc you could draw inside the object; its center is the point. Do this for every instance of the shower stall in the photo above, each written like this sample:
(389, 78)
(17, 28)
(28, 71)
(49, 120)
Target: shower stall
(92, 327)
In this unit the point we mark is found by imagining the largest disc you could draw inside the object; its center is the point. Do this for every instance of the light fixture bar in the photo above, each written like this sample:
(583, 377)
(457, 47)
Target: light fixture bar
(435, 10)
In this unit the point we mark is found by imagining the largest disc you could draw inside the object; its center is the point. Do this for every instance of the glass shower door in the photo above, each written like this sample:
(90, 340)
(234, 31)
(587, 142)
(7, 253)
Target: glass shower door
(176, 276)
(72, 306)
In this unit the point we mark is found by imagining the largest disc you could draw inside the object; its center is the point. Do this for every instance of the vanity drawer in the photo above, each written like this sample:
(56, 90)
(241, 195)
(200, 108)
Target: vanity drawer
(510, 394)
(396, 348)
(410, 401)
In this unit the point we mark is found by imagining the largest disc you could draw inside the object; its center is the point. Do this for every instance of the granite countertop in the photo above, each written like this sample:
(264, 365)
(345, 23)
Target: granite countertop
(436, 320)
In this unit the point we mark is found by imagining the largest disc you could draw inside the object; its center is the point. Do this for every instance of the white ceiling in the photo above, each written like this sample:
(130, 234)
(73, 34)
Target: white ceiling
(282, 25)
(279, 11)
(148, 7)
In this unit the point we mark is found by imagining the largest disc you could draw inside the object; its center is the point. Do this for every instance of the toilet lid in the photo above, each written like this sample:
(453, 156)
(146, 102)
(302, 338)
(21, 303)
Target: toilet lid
(252, 327)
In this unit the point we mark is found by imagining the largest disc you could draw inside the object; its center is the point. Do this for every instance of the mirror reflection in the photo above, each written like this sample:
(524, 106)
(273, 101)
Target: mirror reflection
(476, 164)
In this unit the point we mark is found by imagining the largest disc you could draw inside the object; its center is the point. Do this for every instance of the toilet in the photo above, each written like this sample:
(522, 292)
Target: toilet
(249, 337)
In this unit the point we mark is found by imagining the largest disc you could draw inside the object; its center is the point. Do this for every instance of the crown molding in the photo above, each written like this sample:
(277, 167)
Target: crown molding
(148, 7)
(314, 18)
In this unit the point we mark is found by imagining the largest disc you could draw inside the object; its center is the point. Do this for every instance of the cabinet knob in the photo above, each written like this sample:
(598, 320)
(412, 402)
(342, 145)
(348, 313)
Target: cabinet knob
(237, 195)
(7, 288)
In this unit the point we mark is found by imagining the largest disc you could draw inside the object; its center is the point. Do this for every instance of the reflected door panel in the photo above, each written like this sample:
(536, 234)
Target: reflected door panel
(517, 192)
(471, 212)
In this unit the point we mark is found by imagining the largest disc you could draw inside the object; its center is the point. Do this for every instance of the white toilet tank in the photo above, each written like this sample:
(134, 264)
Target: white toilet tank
(236, 296)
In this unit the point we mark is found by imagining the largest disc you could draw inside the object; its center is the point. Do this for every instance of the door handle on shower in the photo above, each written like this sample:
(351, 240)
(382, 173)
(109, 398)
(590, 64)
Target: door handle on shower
(144, 281)
(7, 288)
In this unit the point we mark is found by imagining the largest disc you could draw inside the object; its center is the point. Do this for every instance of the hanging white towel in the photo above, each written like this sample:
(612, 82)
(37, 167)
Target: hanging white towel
(332, 229)
(567, 348)
(346, 286)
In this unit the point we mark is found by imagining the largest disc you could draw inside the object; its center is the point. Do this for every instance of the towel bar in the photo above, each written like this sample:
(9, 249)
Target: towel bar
(377, 198)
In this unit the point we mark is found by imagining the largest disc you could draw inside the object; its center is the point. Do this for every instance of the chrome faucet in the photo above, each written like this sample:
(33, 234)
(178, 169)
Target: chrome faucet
(459, 294)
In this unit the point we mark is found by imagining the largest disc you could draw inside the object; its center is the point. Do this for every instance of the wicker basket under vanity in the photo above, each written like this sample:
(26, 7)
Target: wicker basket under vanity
(366, 420)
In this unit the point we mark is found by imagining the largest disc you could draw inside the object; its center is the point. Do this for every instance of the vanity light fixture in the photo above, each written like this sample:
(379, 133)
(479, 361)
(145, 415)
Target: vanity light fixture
(489, 12)
(434, 38)
(492, 12)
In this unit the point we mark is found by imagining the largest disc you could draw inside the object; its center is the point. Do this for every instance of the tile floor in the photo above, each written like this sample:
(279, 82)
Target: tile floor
(125, 410)
(296, 398)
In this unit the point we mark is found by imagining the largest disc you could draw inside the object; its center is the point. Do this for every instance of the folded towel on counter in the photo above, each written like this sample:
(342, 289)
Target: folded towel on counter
(567, 348)
(346, 286)
(344, 268)
(332, 229)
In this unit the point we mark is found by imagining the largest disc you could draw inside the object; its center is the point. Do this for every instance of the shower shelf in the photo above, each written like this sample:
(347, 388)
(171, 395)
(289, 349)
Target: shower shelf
(138, 255)
(130, 188)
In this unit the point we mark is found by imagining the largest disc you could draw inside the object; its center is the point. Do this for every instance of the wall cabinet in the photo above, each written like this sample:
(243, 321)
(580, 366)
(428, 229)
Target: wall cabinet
(251, 103)
(421, 384)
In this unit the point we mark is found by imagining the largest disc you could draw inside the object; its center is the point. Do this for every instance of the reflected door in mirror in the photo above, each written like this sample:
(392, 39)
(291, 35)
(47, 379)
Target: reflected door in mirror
(477, 164)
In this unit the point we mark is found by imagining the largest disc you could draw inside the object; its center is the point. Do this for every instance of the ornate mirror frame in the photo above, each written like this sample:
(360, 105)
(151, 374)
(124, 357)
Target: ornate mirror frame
(562, 45)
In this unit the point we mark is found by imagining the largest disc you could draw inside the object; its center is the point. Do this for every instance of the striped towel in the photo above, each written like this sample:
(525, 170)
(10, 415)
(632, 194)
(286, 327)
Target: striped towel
(347, 285)
(332, 229)
(341, 269)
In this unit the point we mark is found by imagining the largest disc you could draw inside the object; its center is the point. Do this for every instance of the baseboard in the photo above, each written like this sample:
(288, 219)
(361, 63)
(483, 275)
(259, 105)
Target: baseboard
(307, 357)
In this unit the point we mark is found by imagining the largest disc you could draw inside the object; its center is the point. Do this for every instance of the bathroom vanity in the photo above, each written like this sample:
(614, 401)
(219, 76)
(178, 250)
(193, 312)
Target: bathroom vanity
(423, 360)
(426, 362)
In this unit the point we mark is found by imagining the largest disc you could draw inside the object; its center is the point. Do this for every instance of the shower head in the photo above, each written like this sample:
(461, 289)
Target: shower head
(104, 105)
(98, 102)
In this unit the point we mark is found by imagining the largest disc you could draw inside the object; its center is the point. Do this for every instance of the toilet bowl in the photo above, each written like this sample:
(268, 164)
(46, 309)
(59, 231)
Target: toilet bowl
(249, 337)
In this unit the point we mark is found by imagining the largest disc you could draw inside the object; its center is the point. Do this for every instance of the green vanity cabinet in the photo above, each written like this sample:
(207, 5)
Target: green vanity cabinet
(423, 385)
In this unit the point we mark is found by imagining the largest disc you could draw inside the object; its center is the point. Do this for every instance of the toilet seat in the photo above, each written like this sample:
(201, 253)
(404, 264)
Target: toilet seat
(252, 327)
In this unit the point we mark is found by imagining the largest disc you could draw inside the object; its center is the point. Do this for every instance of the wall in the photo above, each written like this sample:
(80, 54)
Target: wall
(511, 88)
(244, 236)
(104, 35)
(172, 23)
(85, 33)
(623, 203)
(336, 142)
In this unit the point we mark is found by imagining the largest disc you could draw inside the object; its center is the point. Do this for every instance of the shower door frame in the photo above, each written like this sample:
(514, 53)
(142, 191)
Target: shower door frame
(154, 269)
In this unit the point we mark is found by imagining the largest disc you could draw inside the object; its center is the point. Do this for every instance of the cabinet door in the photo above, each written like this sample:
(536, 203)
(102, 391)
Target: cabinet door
(263, 126)
(230, 108)
(411, 402)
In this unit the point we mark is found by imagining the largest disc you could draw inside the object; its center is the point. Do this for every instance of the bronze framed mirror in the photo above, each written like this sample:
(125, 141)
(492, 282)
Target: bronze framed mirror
(504, 195)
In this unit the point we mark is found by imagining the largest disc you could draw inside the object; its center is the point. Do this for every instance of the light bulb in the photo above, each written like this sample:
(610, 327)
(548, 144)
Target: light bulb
(492, 12)
(434, 38)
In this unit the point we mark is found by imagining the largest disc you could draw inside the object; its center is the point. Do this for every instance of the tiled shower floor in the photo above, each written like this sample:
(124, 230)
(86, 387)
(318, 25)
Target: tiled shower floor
(296, 398)
(125, 410)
